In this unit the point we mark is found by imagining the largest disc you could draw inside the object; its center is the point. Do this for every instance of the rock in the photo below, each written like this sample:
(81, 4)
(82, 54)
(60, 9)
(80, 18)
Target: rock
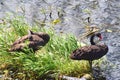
(87, 77)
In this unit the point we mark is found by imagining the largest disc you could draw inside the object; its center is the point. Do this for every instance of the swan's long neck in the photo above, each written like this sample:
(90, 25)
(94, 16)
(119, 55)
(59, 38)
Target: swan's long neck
(92, 40)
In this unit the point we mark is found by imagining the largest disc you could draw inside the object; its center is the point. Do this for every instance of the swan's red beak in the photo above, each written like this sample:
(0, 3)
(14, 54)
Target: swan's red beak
(100, 37)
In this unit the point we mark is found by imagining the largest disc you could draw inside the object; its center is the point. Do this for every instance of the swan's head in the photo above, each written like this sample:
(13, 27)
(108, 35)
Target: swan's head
(95, 38)
(99, 36)
(42, 35)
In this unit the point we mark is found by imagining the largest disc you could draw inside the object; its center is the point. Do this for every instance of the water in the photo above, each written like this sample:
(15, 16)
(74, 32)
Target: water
(113, 56)
(104, 14)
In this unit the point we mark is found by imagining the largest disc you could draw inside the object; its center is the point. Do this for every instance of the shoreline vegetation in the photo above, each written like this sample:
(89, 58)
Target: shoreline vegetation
(53, 59)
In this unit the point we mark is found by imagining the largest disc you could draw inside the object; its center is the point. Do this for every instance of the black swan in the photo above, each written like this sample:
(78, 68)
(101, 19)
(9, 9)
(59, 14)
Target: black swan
(32, 40)
(92, 52)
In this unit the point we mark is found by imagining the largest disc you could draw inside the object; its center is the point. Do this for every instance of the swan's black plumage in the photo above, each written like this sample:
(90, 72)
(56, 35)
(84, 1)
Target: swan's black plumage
(92, 52)
(32, 40)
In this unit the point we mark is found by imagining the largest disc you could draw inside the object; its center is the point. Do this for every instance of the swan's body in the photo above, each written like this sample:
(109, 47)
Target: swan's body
(92, 52)
(32, 40)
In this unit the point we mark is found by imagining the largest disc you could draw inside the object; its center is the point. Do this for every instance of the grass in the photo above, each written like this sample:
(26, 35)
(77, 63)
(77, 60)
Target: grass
(51, 59)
